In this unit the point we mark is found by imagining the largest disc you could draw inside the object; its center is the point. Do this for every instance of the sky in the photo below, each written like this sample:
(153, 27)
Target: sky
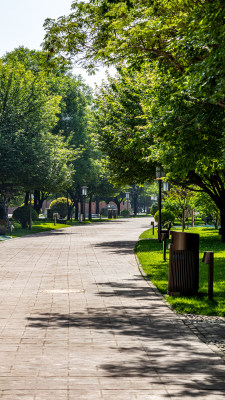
(21, 24)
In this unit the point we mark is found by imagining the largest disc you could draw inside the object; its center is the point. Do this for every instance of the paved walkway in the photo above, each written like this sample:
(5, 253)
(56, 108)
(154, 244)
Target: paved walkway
(77, 321)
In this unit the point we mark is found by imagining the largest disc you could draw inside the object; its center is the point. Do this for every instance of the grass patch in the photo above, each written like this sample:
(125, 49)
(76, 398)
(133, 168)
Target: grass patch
(150, 256)
(44, 226)
(37, 227)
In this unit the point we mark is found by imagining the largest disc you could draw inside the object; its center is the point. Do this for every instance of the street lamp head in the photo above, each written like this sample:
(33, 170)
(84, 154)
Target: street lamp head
(159, 173)
(84, 190)
(165, 186)
(127, 195)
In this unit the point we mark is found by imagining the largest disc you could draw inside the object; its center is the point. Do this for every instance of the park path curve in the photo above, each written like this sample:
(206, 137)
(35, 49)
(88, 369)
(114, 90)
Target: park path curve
(78, 321)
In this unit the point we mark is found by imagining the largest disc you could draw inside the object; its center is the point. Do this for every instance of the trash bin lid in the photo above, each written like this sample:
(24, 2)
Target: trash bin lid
(184, 241)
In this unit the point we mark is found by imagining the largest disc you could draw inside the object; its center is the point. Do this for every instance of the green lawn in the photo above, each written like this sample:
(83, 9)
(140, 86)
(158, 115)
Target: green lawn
(150, 256)
(43, 226)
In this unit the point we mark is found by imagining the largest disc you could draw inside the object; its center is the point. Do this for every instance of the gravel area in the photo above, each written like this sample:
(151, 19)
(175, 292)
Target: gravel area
(210, 329)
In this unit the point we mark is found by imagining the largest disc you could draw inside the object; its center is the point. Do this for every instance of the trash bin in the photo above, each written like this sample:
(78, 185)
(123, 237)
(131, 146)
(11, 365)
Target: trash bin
(110, 213)
(114, 213)
(184, 264)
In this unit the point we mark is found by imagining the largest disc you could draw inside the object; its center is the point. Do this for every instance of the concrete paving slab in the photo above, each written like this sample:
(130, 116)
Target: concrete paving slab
(78, 321)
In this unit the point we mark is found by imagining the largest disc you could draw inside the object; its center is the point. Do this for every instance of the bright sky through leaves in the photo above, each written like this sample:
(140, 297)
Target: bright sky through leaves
(22, 25)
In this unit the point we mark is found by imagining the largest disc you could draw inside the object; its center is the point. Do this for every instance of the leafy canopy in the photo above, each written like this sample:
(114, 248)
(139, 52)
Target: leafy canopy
(31, 156)
(187, 36)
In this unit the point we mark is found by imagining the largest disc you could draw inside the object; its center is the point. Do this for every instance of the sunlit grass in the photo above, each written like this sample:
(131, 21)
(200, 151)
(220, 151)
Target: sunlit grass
(150, 255)
(44, 226)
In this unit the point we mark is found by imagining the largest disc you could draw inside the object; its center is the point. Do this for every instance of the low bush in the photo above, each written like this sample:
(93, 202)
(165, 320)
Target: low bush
(60, 206)
(125, 213)
(166, 216)
(22, 215)
(154, 208)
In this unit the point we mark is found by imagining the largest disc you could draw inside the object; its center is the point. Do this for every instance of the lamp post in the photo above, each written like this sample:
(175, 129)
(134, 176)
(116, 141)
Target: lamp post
(84, 194)
(159, 175)
(127, 198)
(30, 212)
(135, 195)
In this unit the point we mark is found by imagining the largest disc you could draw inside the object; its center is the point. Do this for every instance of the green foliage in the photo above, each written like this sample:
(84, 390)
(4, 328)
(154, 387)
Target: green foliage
(44, 116)
(125, 213)
(177, 51)
(22, 215)
(186, 36)
(150, 255)
(179, 201)
(18, 200)
(166, 216)
(38, 61)
(60, 206)
(119, 131)
(31, 157)
(154, 208)
(205, 205)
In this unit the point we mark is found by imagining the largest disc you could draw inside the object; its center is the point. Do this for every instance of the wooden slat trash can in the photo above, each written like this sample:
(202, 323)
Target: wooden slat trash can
(183, 264)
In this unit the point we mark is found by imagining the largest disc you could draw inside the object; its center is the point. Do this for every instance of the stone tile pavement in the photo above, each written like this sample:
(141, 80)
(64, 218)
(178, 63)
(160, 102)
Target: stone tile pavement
(78, 321)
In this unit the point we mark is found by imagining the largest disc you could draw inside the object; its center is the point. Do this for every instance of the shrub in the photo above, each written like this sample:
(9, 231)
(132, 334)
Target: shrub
(60, 206)
(166, 216)
(22, 215)
(154, 208)
(125, 213)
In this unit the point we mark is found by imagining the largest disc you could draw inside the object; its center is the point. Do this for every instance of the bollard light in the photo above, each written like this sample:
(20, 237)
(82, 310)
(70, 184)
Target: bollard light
(208, 258)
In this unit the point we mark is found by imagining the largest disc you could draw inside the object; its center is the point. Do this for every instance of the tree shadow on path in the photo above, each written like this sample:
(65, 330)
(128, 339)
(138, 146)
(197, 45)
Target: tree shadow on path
(151, 341)
(119, 247)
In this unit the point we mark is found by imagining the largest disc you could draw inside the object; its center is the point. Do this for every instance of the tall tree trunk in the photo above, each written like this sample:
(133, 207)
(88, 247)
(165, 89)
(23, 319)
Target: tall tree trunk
(117, 204)
(3, 209)
(97, 205)
(222, 223)
(69, 209)
(37, 198)
(76, 209)
(26, 200)
(135, 203)
(30, 212)
(89, 208)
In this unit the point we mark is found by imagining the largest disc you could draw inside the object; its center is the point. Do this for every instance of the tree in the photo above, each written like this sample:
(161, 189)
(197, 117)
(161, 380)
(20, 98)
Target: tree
(119, 131)
(182, 133)
(180, 202)
(188, 137)
(177, 49)
(70, 125)
(205, 205)
(186, 36)
(31, 157)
